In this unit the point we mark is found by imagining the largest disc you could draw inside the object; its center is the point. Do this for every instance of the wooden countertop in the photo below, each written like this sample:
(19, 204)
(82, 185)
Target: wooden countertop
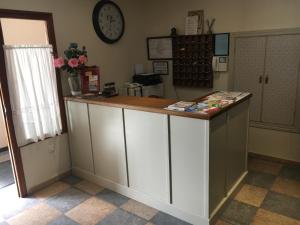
(155, 105)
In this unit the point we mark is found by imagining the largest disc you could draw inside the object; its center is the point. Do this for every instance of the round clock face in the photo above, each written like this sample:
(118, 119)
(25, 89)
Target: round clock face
(108, 21)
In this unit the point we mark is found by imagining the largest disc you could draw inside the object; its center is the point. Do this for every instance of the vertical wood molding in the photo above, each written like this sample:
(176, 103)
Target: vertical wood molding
(14, 149)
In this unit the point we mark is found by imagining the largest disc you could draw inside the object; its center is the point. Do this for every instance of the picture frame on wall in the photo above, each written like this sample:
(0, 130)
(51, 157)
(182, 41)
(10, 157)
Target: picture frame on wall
(159, 48)
(200, 14)
(221, 44)
(161, 67)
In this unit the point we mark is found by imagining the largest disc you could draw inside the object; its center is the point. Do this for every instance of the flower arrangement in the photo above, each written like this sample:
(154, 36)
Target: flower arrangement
(74, 60)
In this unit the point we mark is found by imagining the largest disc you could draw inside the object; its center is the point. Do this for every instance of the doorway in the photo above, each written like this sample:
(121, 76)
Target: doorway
(23, 28)
(6, 172)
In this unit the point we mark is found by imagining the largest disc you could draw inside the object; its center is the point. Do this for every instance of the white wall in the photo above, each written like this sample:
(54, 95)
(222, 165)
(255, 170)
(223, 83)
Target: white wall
(231, 16)
(3, 134)
(274, 143)
(45, 160)
(73, 23)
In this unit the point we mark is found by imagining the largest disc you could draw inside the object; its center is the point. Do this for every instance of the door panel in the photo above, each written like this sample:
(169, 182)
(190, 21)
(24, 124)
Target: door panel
(237, 137)
(218, 151)
(282, 67)
(107, 134)
(249, 67)
(79, 135)
(148, 153)
(189, 146)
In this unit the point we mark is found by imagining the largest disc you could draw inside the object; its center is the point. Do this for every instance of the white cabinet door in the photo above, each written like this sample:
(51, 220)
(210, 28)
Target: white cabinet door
(79, 136)
(249, 70)
(282, 70)
(189, 154)
(108, 143)
(147, 152)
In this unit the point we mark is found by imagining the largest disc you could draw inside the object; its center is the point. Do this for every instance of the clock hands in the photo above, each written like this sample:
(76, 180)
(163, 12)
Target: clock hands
(111, 20)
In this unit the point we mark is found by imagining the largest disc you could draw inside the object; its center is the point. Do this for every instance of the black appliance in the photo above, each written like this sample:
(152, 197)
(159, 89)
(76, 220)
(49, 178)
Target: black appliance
(147, 79)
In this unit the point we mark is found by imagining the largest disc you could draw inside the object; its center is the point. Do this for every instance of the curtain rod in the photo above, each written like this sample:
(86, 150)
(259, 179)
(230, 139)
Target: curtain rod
(26, 46)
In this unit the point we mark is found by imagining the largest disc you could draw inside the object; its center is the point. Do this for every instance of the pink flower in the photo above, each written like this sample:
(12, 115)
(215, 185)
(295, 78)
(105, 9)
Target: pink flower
(59, 62)
(73, 62)
(82, 59)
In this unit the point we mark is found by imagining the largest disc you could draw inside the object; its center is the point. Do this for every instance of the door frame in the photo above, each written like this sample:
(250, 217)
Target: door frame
(231, 73)
(15, 150)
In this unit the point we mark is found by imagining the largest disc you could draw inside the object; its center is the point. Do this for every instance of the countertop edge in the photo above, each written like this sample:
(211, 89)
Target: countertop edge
(159, 110)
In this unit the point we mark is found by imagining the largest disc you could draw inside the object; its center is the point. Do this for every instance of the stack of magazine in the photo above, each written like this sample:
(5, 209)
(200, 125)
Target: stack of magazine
(209, 104)
(180, 106)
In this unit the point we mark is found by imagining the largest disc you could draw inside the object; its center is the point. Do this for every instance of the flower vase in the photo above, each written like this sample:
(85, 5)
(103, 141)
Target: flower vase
(75, 84)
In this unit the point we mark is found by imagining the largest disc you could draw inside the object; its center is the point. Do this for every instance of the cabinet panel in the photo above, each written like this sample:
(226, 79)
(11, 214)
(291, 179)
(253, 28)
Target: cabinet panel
(237, 137)
(249, 70)
(79, 136)
(189, 149)
(217, 164)
(147, 153)
(282, 69)
(108, 143)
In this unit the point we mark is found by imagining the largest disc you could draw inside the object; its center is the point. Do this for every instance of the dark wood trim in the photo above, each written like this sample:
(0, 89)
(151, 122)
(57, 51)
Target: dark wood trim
(12, 140)
(15, 149)
(272, 159)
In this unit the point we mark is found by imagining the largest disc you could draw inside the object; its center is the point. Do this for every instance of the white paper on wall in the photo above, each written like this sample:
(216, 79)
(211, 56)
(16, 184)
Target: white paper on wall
(191, 25)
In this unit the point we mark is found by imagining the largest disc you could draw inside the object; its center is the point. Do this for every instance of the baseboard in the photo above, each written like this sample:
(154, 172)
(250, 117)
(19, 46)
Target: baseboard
(48, 182)
(272, 159)
(141, 197)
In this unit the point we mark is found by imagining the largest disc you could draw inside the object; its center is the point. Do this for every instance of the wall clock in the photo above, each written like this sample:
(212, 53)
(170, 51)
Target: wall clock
(108, 21)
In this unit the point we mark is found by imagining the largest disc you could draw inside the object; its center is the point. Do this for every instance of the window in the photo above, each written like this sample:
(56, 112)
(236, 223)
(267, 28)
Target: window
(31, 80)
(24, 31)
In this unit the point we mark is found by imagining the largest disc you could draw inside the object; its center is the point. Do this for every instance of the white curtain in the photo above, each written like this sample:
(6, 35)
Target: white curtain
(33, 92)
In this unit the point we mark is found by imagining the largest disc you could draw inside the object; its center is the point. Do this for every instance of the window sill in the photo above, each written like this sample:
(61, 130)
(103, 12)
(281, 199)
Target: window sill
(31, 143)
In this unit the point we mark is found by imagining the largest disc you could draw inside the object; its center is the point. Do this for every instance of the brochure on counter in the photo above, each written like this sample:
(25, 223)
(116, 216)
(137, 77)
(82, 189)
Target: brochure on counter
(209, 104)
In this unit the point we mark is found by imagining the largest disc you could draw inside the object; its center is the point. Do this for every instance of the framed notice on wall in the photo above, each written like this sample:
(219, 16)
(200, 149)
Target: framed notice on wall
(221, 44)
(161, 67)
(159, 48)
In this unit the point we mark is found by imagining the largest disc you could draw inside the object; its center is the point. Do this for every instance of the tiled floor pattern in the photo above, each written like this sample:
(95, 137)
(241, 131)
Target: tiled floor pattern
(73, 201)
(270, 196)
(6, 174)
(4, 156)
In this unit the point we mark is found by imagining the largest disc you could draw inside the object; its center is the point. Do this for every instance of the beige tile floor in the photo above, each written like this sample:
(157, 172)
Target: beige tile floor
(270, 196)
(4, 156)
(73, 201)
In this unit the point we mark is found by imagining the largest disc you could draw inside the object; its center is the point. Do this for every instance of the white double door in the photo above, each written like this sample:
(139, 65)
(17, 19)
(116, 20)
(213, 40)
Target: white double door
(268, 67)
